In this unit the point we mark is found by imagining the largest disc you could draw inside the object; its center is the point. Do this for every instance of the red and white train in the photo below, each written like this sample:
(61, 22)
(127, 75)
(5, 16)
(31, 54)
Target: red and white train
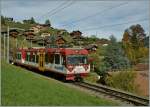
(70, 63)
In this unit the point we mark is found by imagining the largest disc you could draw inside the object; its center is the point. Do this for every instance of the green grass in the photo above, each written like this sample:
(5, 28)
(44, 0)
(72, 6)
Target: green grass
(22, 87)
(92, 77)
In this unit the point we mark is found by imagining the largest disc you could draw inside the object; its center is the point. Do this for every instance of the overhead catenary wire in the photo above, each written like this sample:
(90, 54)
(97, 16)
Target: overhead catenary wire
(54, 9)
(95, 14)
(59, 8)
(104, 26)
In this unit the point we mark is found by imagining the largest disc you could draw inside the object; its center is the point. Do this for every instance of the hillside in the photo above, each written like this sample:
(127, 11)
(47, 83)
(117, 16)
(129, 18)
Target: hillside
(22, 87)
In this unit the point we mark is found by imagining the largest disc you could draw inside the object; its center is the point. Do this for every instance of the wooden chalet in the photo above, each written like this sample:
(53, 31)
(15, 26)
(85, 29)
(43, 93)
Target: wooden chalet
(13, 33)
(76, 35)
(45, 34)
(60, 41)
(29, 34)
(57, 40)
(102, 42)
(61, 31)
(45, 25)
(30, 37)
(3, 32)
(9, 19)
(35, 29)
(91, 47)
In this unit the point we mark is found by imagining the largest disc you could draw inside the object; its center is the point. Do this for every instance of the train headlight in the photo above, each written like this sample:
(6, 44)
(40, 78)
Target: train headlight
(70, 68)
(86, 67)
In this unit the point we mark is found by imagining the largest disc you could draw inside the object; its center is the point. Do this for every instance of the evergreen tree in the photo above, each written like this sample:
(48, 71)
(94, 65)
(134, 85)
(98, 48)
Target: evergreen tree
(3, 20)
(32, 21)
(47, 22)
(146, 42)
(114, 57)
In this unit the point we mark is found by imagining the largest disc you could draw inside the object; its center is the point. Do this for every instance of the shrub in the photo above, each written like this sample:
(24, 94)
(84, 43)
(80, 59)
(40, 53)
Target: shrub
(122, 80)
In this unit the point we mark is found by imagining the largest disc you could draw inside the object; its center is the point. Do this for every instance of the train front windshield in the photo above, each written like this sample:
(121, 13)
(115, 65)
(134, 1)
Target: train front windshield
(77, 59)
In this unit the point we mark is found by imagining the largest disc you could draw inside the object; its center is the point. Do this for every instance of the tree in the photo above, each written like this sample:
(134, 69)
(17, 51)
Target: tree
(114, 59)
(32, 21)
(47, 22)
(133, 42)
(3, 20)
(146, 41)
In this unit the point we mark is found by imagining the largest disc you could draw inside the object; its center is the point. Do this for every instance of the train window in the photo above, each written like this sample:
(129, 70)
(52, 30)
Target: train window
(57, 59)
(76, 59)
(63, 60)
(19, 56)
(37, 58)
(51, 58)
(46, 58)
(28, 57)
(33, 58)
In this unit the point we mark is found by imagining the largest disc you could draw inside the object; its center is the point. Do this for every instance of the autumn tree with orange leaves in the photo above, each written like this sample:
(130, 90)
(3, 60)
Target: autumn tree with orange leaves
(133, 43)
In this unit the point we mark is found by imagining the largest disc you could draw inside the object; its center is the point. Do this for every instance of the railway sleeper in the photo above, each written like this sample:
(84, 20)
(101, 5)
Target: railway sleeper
(125, 98)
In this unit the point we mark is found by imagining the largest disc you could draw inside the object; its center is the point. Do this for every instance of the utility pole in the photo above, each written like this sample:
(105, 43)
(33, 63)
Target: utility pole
(96, 33)
(31, 43)
(8, 44)
(43, 42)
(4, 46)
(16, 43)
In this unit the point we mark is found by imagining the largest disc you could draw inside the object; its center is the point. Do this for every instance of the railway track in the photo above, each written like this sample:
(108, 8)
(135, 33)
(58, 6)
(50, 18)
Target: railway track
(124, 96)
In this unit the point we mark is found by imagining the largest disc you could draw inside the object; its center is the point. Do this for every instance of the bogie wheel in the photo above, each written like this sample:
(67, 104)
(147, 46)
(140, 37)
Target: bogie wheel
(78, 79)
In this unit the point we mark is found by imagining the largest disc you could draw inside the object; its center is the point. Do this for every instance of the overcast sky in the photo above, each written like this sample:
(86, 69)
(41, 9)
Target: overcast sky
(92, 17)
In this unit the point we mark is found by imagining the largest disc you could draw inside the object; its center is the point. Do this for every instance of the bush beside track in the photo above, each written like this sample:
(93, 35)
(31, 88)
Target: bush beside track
(22, 87)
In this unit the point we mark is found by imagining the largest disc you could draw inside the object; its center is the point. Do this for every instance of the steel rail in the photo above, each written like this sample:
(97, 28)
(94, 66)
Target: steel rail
(134, 99)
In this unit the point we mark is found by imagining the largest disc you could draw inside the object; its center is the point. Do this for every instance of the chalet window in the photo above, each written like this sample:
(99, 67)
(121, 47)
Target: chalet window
(57, 59)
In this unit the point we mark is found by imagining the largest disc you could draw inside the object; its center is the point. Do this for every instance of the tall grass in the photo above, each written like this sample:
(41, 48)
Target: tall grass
(123, 80)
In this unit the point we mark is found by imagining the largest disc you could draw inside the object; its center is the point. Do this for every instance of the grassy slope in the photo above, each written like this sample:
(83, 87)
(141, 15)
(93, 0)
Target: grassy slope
(20, 87)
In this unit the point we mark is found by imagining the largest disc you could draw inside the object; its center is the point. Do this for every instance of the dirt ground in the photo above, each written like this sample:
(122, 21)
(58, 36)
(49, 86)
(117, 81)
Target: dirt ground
(142, 78)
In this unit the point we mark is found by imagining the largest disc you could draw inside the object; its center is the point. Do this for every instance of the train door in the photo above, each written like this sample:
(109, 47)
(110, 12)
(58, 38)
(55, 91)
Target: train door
(41, 60)
(58, 62)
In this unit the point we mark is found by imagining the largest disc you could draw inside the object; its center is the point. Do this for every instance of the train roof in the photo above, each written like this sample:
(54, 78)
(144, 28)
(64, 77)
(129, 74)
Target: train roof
(64, 51)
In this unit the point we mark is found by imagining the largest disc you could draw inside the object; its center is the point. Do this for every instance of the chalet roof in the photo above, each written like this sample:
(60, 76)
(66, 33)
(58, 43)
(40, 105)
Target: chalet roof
(91, 46)
(76, 32)
(13, 30)
(29, 30)
(60, 37)
(53, 38)
(45, 25)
